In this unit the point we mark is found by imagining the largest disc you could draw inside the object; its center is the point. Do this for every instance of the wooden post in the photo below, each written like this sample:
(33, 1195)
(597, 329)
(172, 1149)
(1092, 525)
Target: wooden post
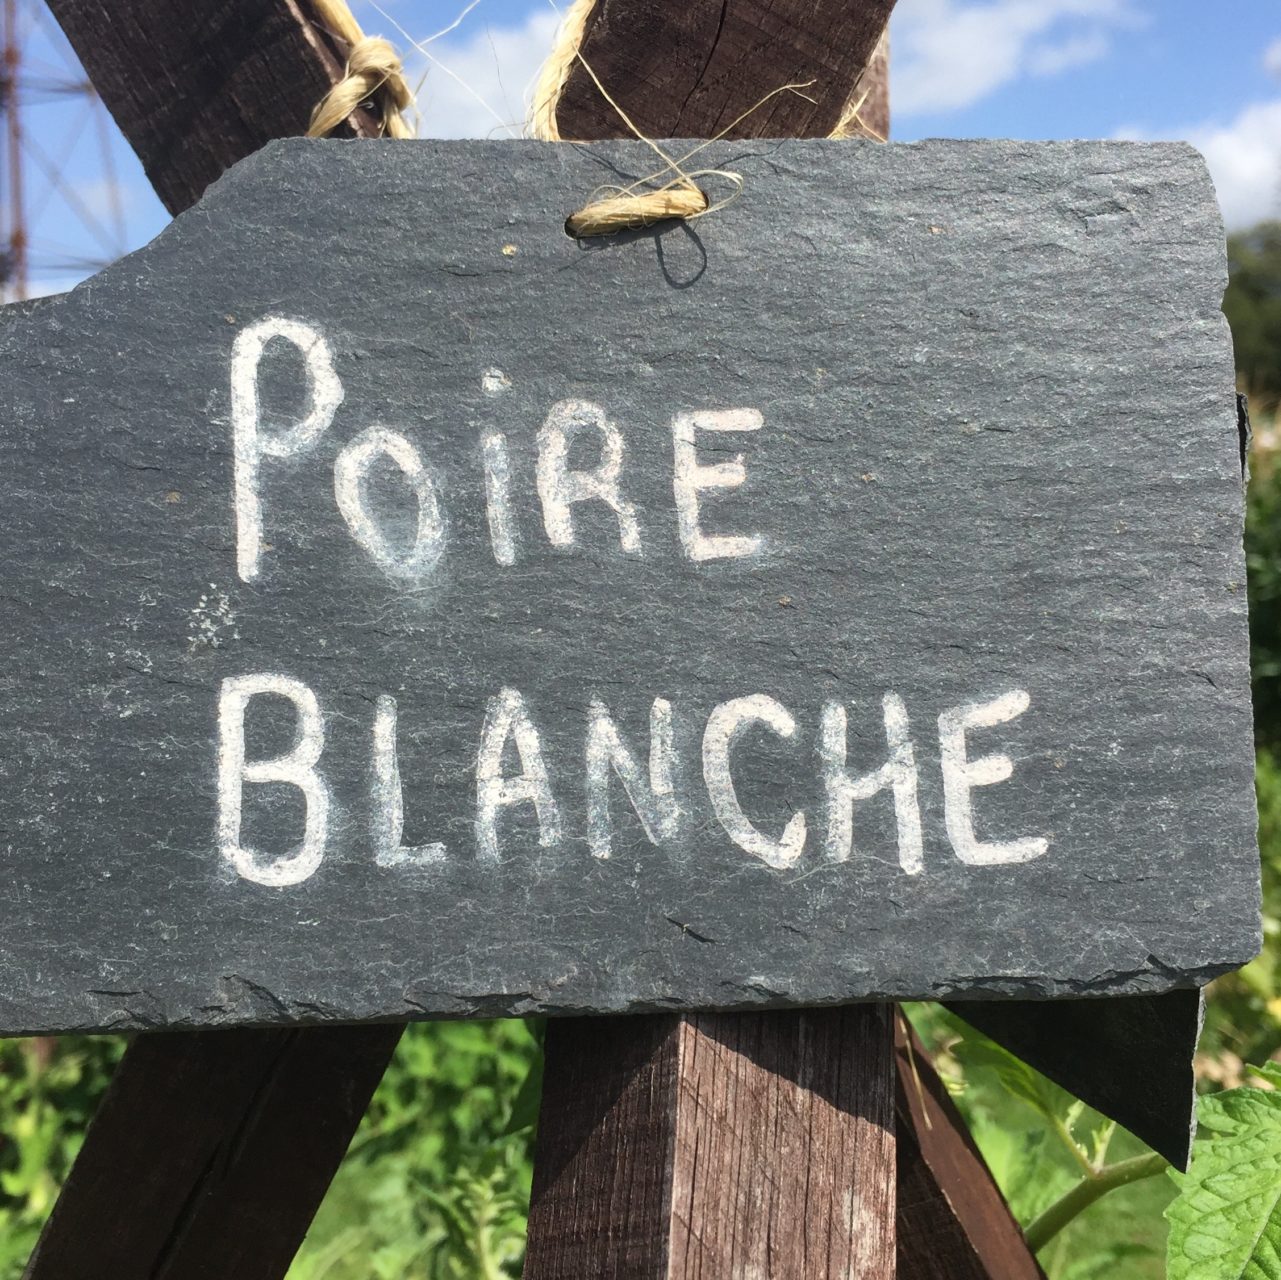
(195, 88)
(693, 70)
(716, 1145)
(211, 1153)
(212, 1150)
(719, 1144)
(953, 1223)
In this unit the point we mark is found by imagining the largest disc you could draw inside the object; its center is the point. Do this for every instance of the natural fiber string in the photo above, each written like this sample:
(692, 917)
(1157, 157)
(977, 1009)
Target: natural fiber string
(851, 123)
(639, 205)
(373, 75)
(555, 71)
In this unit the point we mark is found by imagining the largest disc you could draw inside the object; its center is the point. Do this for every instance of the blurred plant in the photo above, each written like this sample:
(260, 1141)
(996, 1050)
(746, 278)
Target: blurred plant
(436, 1183)
(48, 1092)
(1263, 570)
(1253, 307)
(1085, 1190)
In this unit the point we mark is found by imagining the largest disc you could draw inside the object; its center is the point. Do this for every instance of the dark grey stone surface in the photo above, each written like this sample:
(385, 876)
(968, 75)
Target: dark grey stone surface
(999, 451)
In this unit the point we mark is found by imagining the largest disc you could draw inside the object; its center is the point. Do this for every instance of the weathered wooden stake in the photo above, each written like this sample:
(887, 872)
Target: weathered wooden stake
(953, 1223)
(197, 87)
(716, 1145)
(210, 1154)
(212, 1150)
(722, 1144)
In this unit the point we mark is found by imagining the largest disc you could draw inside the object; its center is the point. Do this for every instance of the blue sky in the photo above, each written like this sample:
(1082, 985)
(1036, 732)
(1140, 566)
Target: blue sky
(961, 68)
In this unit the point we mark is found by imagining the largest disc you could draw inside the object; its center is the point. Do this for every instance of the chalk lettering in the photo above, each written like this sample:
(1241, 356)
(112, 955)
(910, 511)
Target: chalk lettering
(351, 473)
(724, 726)
(559, 486)
(843, 790)
(652, 798)
(506, 718)
(961, 774)
(296, 768)
(387, 801)
(690, 478)
(251, 443)
(498, 499)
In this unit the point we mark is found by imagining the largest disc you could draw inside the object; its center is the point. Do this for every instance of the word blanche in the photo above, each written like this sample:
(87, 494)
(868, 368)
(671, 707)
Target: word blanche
(508, 732)
(560, 486)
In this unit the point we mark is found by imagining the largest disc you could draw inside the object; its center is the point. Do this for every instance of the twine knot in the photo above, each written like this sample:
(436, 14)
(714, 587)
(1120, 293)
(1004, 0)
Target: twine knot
(374, 78)
(629, 209)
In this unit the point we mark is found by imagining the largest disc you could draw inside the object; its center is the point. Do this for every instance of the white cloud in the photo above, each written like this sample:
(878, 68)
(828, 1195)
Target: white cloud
(1076, 51)
(492, 73)
(949, 55)
(1245, 159)
(1272, 58)
(1244, 156)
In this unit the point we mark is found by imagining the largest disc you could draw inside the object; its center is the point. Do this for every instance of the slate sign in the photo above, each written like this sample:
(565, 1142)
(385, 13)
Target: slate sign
(409, 610)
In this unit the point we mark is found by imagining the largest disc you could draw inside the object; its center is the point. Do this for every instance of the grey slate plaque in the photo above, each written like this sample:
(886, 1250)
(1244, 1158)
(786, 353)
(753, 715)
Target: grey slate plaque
(409, 610)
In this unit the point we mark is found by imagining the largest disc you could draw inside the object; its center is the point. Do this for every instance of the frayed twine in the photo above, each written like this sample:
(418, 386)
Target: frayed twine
(640, 205)
(374, 77)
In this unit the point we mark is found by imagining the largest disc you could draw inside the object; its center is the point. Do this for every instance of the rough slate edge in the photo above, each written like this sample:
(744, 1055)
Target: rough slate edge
(997, 991)
(1098, 1051)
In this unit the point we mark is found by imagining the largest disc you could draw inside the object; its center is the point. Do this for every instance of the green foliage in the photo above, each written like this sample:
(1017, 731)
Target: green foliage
(1226, 1222)
(1253, 308)
(1263, 567)
(1041, 1144)
(48, 1091)
(1243, 1016)
(436, 1183)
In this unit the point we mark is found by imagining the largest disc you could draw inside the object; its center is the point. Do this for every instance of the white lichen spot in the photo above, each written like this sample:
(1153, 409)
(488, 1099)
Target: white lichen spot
(212, 622)
(138, 661)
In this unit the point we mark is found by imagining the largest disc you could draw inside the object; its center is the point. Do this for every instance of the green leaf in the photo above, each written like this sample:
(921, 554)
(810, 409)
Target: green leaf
(1226, 1222)
(1045, 1098)
(1269, 1071)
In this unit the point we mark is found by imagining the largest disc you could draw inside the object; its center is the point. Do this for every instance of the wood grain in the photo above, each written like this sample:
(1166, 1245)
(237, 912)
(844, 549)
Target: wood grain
(672, 1146)
(194, 88)
(606, 1137)
(953, 1223)
(873, 97)
(210, 1154)
(716, 1145)
(682, 70)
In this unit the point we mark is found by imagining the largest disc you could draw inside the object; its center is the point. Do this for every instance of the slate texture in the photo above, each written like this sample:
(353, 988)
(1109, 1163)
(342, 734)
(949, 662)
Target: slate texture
(999, 450)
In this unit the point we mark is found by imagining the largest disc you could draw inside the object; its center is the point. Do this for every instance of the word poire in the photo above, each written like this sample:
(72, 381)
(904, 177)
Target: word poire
(650, 790)
(560, 486)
